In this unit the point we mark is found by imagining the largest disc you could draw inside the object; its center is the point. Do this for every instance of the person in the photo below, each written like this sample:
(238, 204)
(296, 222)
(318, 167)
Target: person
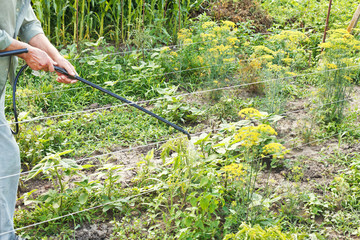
(17, 19)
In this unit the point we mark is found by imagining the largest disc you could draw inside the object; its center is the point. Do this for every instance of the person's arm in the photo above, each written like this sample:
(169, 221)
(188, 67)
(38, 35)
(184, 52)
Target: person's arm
(32, 33)
(42, 54)
(35, 58)
(40, 41)
(5, 40)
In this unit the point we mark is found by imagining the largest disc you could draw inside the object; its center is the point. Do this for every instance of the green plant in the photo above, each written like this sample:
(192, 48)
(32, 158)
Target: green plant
(255, 232)
(175, 107)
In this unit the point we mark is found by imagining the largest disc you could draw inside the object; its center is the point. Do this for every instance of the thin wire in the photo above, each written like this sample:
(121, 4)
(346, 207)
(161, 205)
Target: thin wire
(130, 79)
(141, 194)
(57, 90)
(144, 146)
(140, 77)
(78, 212)
(185, 94)
(172, 46)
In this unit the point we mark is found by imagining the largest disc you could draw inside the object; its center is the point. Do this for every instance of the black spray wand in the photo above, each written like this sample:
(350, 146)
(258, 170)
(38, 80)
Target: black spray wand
(63, 71)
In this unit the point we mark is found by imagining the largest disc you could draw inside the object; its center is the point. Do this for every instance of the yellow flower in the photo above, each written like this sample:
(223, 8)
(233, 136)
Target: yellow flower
(234, 171)
(291, 73)
(206, 25)
(264, 128)
(260, 50)
(174, 54)
(287, 60)
(187, 41)
(249, 136)
(248, 113)
(229, 60)
(232, 40)
(348, 78)
(267, 57)
(184, 33)
(331, 66)
(277, 150)
(292, 39)
(326, 45)
(275, 67)
(255, 64)
(207, 36)
(229, 24)
(165, 49)
(201, 60)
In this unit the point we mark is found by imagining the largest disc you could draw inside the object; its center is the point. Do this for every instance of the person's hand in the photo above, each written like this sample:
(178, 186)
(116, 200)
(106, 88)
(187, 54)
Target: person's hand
(62, 62)
(37, 59)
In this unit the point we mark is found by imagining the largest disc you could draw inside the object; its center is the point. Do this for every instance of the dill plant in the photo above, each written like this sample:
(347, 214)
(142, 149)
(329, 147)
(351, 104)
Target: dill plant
(276, 63)
(209, 49)
(336, 80)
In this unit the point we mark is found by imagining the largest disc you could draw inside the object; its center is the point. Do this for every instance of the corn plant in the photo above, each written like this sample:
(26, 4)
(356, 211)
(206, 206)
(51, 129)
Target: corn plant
(116, 19)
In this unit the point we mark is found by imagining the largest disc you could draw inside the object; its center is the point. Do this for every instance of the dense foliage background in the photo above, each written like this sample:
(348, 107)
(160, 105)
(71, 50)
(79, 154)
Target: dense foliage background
(273, 114)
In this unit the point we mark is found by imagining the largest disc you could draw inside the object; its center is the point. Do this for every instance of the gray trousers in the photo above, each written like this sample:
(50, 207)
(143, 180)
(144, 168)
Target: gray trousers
(9, 175)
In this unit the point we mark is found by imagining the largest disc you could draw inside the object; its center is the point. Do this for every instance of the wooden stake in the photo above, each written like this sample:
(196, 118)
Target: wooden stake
(327, 22)
(354, 20)
(76, 24)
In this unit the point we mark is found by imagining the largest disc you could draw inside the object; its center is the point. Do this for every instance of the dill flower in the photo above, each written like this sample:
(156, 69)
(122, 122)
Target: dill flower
(275, 67)
(331, 66)
(267, 57)
(260, 50)
(164, 49)
(232, 40)
(206, 25)
(287, 60)
(217, 29)
(184, 33)
(326, 45)
(264, 128)
(348, 78)
(277, 150)
(248, 113)
(229, 24)
(291, 73)
(229, 60)
(255, 64)
(292, 39)
(207, 36)
(187, 41)
(201, 60)
(249, 136)
(174, 54)
(234, 171)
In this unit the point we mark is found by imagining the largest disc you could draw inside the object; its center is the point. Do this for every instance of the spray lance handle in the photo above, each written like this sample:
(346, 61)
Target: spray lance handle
(13, 52)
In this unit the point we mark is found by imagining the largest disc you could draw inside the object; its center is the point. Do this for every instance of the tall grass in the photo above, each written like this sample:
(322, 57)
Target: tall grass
(66, 21)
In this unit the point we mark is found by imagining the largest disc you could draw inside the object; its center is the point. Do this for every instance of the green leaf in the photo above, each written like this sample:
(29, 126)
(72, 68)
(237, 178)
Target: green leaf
(56, 205)
(106, 208)
(83, 198)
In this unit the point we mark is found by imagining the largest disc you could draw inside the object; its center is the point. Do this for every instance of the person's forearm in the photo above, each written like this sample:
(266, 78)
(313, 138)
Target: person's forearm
(42, 42)
(15, 45)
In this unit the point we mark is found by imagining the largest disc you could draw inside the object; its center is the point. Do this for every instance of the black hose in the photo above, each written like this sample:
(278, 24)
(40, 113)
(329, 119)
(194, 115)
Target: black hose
(14, 99)
(63, 71)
